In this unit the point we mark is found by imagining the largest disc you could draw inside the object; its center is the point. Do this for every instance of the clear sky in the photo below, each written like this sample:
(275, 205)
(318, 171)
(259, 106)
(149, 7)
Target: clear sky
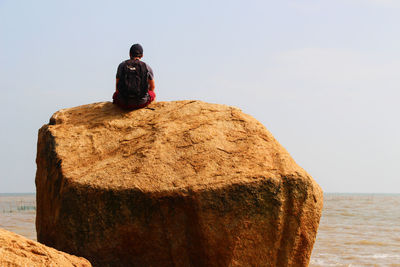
(322, 76)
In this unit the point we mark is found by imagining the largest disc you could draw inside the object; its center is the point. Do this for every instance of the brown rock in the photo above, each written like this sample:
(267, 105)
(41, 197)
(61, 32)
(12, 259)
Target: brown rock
(182, 183)
(16, 250)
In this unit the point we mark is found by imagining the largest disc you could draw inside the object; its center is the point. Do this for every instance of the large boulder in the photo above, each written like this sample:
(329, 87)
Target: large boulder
(182, 183)
(16, 250)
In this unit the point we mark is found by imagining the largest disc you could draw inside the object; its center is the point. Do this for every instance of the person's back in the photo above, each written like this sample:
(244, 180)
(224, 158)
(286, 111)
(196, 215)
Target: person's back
(134, 81)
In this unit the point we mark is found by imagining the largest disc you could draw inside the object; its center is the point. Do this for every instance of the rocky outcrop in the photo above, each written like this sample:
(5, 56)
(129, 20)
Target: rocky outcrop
(16, 250)
(182, 183)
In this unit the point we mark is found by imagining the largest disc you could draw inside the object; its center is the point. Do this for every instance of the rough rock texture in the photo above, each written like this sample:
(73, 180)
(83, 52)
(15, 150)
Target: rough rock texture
(16, 250)
(182, 183)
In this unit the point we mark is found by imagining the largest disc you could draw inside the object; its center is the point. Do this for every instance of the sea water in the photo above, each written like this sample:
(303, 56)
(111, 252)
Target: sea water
(17, 214)
(355, 229)
(358, 230)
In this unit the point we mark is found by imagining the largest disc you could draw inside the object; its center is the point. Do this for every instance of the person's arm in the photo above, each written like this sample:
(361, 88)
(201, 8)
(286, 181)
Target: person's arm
(150, 78)
(151, 85)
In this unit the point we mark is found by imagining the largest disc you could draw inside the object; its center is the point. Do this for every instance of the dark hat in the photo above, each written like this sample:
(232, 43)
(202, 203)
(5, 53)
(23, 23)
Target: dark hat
(136, 50)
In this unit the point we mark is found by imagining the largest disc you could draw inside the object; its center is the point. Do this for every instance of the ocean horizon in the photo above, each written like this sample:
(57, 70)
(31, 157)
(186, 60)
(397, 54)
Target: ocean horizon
(356, 229)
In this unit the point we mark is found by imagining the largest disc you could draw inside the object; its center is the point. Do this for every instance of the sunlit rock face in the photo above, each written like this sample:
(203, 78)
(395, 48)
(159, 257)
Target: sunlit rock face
(182, 183)
(16, 250)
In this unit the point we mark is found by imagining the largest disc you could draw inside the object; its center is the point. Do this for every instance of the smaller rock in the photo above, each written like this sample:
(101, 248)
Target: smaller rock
(16, 250)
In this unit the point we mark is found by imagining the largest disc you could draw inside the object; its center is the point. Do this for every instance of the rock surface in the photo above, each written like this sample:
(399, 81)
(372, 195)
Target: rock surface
(16, 250)
(182, 183)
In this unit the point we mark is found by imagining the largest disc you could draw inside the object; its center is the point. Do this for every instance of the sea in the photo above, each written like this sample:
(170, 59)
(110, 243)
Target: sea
(355, 229)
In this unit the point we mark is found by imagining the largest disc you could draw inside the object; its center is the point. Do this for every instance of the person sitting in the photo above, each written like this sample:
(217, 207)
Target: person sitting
(135, 82)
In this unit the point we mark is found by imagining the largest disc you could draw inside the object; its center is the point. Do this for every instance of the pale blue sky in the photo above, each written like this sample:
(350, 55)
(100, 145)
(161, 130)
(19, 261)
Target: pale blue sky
(322, 76)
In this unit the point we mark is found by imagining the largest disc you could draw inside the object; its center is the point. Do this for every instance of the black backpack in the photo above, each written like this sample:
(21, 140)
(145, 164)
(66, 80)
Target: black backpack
(133, 80)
